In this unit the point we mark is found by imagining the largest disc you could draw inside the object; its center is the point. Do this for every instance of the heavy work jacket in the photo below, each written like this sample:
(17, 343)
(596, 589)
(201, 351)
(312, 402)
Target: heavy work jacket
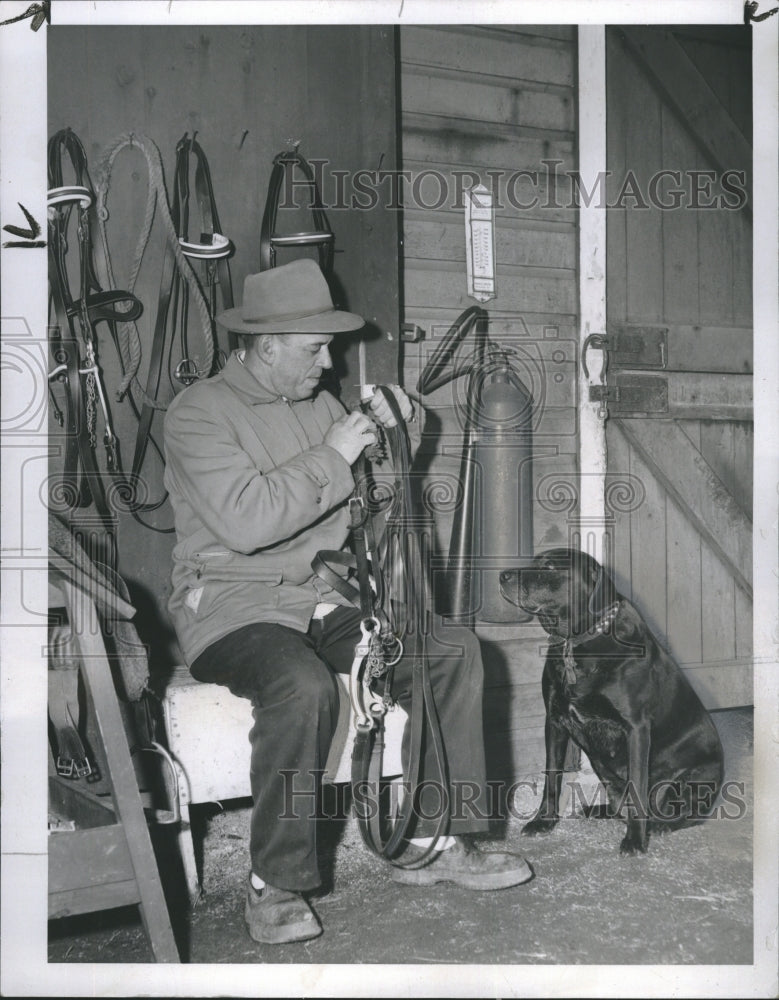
(256, 494)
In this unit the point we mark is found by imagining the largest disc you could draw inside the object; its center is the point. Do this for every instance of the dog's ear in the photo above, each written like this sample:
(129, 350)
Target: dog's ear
(603, 593)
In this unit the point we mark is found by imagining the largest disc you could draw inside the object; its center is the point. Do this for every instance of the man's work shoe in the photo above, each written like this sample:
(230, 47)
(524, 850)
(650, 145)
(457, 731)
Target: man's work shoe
(467, 866)
(276, 916)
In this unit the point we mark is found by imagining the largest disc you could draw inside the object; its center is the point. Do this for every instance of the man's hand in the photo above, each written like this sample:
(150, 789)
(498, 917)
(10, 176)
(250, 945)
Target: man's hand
(381, 408)
(350, 435)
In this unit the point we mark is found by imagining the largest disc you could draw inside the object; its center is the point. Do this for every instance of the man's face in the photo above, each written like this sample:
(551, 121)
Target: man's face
(297, 363)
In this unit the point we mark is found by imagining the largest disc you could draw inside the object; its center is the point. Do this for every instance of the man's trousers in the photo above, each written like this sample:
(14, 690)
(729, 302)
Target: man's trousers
(288, 677)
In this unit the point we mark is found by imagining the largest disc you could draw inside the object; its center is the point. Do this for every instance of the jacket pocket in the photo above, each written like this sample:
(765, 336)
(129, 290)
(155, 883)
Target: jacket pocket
(198, 598)
(232, 567)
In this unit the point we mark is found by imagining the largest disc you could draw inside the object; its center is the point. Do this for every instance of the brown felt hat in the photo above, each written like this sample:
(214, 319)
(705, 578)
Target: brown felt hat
(292, 298)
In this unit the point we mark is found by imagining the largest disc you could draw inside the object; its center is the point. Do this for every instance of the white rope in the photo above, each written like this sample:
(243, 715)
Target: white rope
(156, 202)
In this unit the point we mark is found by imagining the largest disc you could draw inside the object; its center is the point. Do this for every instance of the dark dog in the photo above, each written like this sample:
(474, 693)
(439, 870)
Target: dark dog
(610, 687)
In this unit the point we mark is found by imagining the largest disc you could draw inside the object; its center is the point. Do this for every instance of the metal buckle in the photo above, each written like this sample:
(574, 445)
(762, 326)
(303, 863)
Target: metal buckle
(65, 767)
(357, 512)
(83, 769)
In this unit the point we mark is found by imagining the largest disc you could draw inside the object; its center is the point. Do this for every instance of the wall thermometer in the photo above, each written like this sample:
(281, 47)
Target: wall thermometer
(480, 243)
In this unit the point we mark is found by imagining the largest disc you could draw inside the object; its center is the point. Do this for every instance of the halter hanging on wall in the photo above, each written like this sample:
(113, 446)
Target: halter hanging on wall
(321, 236)
(73, 333)
(211, 247)
(177, 277)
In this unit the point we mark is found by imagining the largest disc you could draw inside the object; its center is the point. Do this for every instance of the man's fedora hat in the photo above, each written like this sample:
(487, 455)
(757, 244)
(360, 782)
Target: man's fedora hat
(292, 298)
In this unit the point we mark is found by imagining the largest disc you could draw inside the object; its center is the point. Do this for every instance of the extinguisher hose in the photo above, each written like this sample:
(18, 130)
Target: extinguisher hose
(439, 370)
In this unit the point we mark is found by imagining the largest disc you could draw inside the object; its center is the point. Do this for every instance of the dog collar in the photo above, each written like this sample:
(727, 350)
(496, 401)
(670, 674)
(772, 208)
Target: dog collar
(603, 625)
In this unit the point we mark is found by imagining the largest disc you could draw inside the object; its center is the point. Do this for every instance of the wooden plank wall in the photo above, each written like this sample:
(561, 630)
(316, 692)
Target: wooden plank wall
(493, 99)
(683, 267)
(248, 92)
(486, 103)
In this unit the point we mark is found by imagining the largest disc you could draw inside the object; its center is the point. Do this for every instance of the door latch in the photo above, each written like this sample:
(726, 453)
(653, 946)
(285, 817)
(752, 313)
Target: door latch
(638, 347)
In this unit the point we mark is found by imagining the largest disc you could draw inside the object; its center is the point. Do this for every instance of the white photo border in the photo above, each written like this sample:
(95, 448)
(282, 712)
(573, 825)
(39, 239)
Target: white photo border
(23, 133)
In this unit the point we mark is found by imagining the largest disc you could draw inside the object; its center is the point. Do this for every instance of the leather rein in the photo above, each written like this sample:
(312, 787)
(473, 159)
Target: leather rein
(395, 623)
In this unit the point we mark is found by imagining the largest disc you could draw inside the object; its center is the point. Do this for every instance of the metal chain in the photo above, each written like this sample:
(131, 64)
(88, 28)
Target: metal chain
(91, 394)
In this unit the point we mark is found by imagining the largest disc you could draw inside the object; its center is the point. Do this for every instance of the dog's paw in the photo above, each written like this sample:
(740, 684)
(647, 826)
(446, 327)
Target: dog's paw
(630, 845)
(538, 826)
(661, 829)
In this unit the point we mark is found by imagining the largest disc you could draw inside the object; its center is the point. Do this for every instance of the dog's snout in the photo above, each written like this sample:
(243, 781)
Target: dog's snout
(510, 585)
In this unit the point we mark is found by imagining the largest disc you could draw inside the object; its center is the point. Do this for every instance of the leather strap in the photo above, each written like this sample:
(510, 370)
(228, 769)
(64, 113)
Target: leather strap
(423, 722)
(218, 268)
(172, 302)
(79, 452)
(321, 236)
(156, 357)
(80, 315)
(322, 564)
(71, 759)
(103, 306)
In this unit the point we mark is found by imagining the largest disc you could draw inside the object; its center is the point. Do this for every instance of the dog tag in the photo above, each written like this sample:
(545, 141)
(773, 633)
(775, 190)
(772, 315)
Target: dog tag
(569, 663)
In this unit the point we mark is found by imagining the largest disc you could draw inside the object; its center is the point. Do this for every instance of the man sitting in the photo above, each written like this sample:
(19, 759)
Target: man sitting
(259, 469)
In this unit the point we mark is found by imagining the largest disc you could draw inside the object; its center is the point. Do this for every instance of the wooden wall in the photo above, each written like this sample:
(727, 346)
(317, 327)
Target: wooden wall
(500, 100)
(248, 92)
(494, 101)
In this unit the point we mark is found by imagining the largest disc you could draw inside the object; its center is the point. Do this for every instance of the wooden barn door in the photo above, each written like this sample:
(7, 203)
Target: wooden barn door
(679, 328)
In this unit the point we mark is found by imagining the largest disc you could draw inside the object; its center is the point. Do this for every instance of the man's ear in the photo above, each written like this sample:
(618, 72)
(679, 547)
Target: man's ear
(265, 347)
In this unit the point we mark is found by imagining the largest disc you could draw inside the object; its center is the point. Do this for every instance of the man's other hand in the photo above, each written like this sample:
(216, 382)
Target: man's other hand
(381, 408)
(350, 435)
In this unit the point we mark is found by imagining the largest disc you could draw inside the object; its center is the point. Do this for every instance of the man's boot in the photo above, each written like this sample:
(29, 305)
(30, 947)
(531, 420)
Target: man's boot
(465, 865)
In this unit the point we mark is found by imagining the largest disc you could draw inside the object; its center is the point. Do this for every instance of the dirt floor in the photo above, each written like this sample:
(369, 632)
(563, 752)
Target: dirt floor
(688, 900)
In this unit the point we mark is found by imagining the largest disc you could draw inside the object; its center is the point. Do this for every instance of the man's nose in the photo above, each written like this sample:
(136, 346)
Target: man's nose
(325, 360)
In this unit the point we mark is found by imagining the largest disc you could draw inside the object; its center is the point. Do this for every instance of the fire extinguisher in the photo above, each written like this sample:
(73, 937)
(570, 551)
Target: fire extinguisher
(493, 524)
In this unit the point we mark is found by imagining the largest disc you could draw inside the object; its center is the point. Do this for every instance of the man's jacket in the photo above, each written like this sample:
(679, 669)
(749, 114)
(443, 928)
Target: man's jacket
(256, 494)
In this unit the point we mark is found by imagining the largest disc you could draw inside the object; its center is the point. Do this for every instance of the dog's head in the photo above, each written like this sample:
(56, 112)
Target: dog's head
(567, 589)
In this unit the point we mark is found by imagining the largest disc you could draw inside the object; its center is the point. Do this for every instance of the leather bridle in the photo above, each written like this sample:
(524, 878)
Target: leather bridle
(73, 335)
(321, 236)
(396, 621)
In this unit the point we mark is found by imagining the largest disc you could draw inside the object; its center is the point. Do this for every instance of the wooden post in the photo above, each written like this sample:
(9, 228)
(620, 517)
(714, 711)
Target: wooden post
(592, 284)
